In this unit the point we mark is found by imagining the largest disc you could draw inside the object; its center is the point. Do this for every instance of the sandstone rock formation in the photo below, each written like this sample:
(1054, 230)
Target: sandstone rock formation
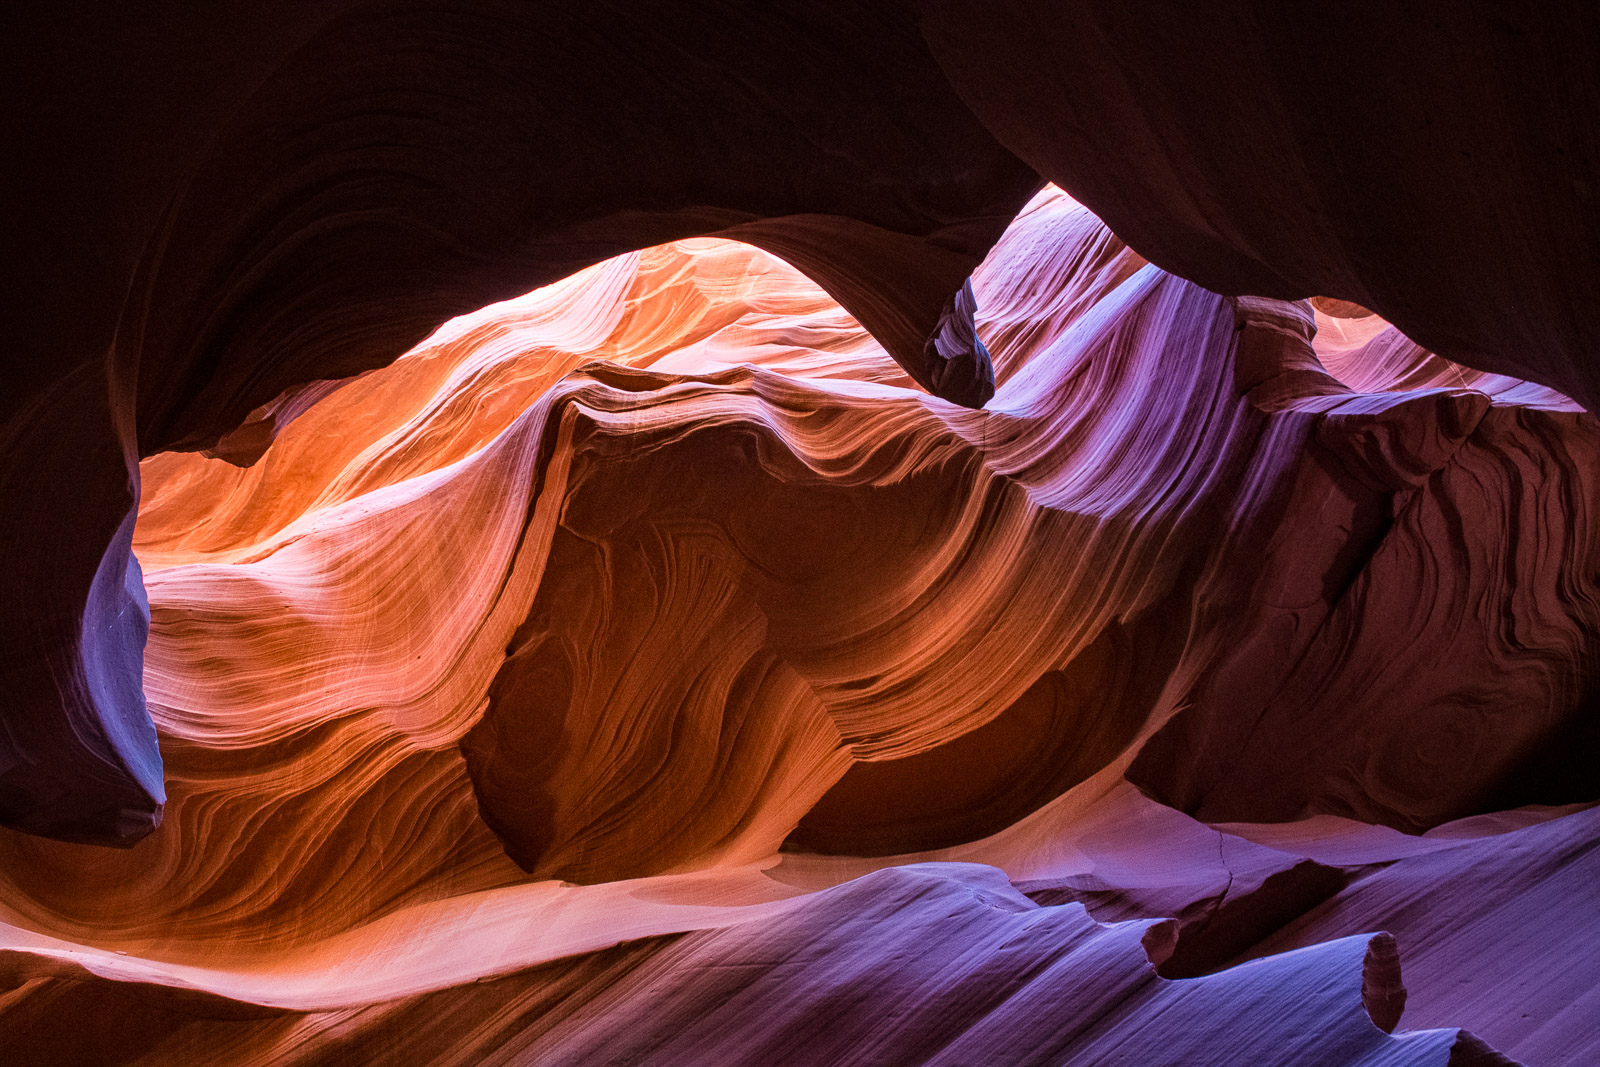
(824, 598)
(1407, 157)
(351, 175)
(666, 581)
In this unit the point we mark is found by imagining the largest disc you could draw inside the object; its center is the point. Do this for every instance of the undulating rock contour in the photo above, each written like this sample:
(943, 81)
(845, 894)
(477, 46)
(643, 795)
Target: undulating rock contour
(648, 534)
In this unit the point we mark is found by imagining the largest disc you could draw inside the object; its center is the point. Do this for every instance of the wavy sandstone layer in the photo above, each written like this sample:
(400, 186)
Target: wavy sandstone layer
(646, 670)
(221, 209)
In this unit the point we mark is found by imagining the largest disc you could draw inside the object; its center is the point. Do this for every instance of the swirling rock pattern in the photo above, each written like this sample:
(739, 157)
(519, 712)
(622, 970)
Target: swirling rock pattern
(645, 669)
(295, 198)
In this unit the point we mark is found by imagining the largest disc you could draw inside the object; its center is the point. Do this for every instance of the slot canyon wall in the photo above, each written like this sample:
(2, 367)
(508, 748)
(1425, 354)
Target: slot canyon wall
(801, 533)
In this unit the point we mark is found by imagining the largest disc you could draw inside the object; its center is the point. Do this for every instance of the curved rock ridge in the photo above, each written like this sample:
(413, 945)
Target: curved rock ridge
(695, 304)
(666, 581)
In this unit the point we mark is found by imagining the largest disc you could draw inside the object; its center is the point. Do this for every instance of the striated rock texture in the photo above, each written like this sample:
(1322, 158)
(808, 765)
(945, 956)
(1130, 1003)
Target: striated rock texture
(823, 596)
(226, 205)
(646, 670)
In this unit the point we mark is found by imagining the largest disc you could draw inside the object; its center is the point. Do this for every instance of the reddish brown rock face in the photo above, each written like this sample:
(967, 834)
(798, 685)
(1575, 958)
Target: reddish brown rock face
(850, 612)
